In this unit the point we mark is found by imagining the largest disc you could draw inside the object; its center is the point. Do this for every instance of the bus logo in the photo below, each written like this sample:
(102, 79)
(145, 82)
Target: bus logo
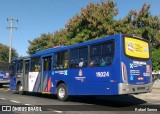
(80, 73)
(131, 77)
(130, 46)
(131, 65)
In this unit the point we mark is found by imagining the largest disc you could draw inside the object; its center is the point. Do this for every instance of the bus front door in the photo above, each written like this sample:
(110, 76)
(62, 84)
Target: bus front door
(46, 74)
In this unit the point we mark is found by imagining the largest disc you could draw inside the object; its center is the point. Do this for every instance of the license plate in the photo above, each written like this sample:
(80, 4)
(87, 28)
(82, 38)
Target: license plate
(140, 88)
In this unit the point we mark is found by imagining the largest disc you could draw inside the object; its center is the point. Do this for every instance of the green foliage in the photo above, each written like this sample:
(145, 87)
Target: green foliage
(4, 53)
(156, 59)
(141, 23)
(95, 21)
(98, 20)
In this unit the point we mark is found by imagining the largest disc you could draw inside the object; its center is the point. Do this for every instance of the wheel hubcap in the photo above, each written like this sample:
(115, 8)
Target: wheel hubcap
(61, 92)
(20, 88)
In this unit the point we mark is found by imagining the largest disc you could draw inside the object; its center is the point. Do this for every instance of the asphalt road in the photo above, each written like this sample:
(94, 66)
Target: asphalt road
(93, 105)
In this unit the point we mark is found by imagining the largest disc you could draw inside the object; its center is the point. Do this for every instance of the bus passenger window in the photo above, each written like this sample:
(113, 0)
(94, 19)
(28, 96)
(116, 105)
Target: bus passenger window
(37, 68)
(95, 53)
(102, 53)
(61, 60)
(91, 63)
(66, 64)
(81, 63)
(79, 57)
(26, 67)
(74, 58)
(108, 52)
(35, 64)
(20, 66)
(103, 62)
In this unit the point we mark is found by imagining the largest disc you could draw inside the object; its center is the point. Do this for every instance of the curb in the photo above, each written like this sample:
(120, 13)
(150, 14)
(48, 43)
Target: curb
(148, 96)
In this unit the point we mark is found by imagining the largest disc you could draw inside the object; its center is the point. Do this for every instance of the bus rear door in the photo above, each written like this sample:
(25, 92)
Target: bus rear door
(46, 74)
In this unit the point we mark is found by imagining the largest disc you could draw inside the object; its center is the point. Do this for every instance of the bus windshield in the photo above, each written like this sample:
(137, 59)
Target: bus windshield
(136, 48)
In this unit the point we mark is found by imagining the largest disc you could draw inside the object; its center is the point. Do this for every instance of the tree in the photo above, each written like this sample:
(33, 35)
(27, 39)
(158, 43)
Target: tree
(97, 20)
(4, 53)
(47, 41)
(156, 59)
(141, 23)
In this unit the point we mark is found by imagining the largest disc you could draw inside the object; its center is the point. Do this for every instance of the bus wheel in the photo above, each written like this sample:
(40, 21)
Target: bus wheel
(20, 89)
(62, 92)
(1, 85)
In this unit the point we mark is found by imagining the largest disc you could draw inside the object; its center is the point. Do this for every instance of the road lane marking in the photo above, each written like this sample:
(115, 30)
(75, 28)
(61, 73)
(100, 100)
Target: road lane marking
(154, 103)
(2, 89)
(14, 101)
(3, 99)
(58, 111)
(27, 104)
(6, 90)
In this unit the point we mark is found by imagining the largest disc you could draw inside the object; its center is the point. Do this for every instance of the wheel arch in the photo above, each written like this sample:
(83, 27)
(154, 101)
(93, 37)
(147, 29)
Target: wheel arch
(19, 82)
(60, 82)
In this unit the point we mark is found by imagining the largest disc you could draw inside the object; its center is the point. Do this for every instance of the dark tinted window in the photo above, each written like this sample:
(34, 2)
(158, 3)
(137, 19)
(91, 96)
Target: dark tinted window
(47, 63)
(74, 58)
(101, 54)
(19, 66)
(83, 57)
(95, 50)
(61, 60)
(26, 66)
(35, 64)
(79, 57)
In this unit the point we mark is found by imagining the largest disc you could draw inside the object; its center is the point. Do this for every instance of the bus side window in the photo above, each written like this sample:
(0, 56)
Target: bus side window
(20, 66)
(108, 52)
(35, 64)
(73, 58)
(79, 57)
(65, 63)
(95, 53)
(83, 56)
(26, 67)
(61, 60)
(102, 53)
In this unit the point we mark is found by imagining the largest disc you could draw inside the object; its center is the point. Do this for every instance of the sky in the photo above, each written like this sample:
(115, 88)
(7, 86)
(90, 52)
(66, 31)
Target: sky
(36, 17)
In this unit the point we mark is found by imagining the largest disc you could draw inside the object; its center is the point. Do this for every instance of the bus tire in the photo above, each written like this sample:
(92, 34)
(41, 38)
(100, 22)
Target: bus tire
(1, 85)
(20, 89)
(62, 92)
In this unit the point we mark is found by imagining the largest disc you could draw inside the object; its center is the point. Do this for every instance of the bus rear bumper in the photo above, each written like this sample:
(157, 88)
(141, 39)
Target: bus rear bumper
(134, 89)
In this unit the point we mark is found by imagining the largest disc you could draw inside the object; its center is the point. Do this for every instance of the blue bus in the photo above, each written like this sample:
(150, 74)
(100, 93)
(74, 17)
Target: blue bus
(113, 65)
(4, 73)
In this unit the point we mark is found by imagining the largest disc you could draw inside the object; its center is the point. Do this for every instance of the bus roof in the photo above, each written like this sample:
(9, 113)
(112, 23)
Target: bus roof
(59, 48)
(20, 58)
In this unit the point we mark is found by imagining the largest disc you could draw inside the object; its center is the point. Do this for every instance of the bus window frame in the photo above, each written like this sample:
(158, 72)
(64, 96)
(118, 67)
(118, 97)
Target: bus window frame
(101, 43)
(19, 62)
(15, 67)
(54, 61)
(78, 48)
(38, 64)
